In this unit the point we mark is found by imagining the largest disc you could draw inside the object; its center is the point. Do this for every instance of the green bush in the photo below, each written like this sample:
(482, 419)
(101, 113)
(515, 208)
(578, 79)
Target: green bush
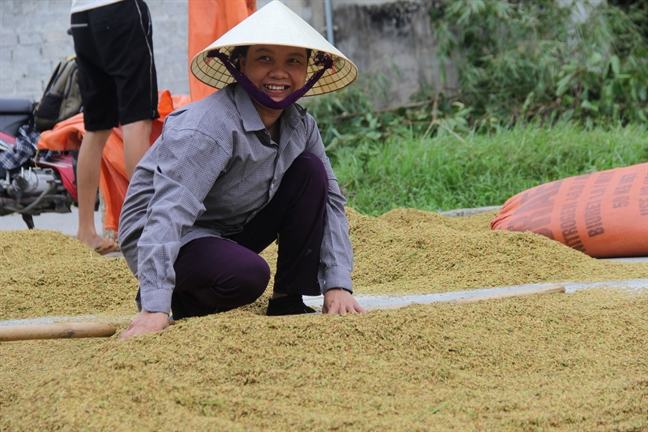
(521, 61)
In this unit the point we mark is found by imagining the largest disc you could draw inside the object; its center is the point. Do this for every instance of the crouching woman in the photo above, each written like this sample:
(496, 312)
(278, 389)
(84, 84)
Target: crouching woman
(236, 171)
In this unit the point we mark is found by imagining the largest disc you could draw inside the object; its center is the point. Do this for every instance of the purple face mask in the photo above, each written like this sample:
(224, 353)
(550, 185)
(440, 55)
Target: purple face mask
(321, 59)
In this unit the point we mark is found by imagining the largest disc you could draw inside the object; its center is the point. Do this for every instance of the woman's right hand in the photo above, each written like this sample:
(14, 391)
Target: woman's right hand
(146, 322)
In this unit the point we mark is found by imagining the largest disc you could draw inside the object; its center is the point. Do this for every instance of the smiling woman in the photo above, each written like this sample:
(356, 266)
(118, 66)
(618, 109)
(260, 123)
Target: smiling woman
(237, 171)
(277, 71)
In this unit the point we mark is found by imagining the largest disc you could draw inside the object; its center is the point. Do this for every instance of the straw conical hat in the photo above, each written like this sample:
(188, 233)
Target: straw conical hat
(275, 24)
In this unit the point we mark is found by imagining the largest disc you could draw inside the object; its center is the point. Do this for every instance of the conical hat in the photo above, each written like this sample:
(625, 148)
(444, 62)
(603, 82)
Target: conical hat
(275, 24)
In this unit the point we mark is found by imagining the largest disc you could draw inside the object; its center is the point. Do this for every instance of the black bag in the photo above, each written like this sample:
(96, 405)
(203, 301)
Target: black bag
(62, 96)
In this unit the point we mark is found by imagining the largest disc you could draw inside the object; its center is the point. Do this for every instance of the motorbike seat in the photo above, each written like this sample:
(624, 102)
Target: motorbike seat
(14, 113)
(16, 106)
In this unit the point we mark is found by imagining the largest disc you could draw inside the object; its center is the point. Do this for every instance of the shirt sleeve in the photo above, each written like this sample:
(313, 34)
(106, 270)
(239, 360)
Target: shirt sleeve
(187, 164)
(336, 254)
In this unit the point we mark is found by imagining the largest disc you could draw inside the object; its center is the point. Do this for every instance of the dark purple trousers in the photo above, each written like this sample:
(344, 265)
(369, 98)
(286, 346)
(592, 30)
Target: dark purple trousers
(215, 275)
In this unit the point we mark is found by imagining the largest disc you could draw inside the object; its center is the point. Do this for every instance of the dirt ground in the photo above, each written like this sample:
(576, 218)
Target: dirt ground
(554, 362)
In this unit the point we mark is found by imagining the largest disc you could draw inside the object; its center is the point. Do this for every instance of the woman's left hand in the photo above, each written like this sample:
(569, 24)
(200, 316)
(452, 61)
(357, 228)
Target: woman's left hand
(146, 322)
(338, 301)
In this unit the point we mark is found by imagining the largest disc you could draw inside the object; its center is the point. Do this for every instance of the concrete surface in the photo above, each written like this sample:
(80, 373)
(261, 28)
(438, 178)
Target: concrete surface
(62, 222)
(393, 302)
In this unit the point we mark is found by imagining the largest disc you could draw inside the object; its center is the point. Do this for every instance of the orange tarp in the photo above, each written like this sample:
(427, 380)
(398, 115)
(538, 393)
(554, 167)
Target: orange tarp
(113, 181)
(209, 20)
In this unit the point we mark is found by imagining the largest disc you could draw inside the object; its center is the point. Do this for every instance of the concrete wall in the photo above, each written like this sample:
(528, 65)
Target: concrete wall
(33, 40)
(394, 45)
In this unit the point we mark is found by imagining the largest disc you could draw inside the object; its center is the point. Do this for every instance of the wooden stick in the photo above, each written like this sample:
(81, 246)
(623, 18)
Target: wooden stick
(534, 291)
(57, 331)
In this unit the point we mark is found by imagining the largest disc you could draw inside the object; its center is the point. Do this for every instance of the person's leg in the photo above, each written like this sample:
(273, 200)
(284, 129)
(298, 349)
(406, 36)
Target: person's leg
(302, 228)
(296, 214)
(100, 116)
(215, 275)
(136, 143)
(88, 168)
(131, 64)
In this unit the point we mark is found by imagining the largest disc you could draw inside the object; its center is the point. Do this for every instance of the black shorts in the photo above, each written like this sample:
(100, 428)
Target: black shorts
(114, 49)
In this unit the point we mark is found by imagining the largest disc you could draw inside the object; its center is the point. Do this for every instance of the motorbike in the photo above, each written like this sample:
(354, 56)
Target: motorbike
(32, 181)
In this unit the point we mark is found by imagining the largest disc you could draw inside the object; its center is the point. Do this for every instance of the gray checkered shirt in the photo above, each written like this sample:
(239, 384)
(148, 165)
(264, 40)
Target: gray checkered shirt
(208, 174)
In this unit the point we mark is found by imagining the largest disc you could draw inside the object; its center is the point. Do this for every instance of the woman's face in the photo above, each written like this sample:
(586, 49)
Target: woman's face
(276, 70)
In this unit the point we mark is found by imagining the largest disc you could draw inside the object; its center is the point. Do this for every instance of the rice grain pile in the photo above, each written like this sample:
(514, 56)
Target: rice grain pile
(48, 273)
(554, 362)
(401, 252)
(412, 251)
(559, 362)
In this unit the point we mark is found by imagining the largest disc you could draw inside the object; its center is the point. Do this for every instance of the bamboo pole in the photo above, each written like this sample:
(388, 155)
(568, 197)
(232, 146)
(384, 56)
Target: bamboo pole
(57, 331)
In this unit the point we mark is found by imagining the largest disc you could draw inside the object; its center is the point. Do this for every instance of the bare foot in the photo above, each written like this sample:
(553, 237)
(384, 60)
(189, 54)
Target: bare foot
(101, 245)
(107, 246)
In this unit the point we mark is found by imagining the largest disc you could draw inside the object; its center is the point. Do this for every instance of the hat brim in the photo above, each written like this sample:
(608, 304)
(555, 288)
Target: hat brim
(275, 24)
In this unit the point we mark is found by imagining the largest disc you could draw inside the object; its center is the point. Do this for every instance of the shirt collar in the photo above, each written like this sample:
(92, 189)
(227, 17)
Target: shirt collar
(250, 116)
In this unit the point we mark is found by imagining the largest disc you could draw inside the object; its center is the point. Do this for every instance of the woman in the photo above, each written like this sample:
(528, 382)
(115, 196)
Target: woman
(236, 171)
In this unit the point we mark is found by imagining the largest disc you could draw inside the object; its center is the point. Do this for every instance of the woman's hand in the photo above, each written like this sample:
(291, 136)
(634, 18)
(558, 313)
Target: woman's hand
(146, 322)
(339, 301)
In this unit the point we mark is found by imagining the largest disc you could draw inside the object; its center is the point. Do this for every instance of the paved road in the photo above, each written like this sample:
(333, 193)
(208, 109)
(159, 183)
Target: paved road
(62, 222)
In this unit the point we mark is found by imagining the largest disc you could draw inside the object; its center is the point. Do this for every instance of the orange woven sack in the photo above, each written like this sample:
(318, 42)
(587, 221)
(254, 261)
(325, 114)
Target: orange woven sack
(603, 214)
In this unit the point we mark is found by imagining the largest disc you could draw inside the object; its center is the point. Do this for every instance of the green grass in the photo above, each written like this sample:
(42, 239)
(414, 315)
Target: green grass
(478, 170)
